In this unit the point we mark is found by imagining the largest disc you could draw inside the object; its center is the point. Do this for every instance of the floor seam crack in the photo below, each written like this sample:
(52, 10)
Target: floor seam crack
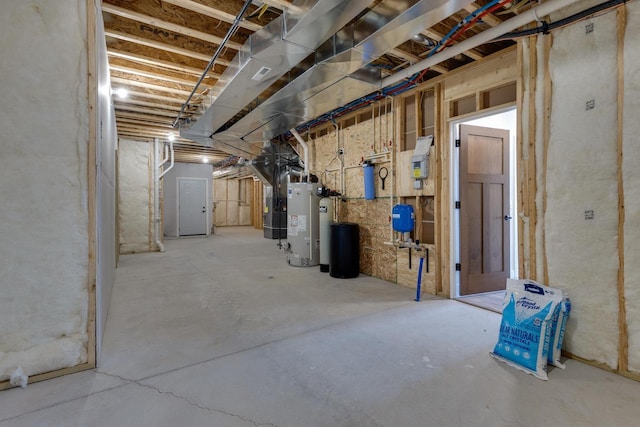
(188, 401)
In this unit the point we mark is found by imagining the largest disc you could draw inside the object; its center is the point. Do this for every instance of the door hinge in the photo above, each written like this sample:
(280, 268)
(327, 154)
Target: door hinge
(457, 205)
(458, 267)
(457, 143)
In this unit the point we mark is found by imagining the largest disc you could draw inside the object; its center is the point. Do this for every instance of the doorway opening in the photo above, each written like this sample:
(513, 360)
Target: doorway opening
(484, 228)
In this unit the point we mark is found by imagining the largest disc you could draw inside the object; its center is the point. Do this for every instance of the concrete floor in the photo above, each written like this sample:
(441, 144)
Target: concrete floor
(221, 332)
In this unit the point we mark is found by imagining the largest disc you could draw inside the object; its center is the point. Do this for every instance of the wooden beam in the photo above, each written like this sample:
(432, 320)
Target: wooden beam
(212, 13)
(156, 76)
(147, 95)
(161, 46)
(282, 5)
(623, 330)
(125, 82)
(131, 121)
(436, 36)
(165, 25)
(143, 117)
(489, 18)
(531, 165)
(149, 111)
(146, 104)
(158, 63)
(546, 137)
(92, 183)
(412, 59)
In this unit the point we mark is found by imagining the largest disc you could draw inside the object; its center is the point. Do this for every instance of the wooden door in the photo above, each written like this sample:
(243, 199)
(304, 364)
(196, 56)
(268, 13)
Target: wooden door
(484, 209)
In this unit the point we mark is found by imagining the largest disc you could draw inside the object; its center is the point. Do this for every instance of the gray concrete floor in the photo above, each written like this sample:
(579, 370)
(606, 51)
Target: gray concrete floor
(222, 332)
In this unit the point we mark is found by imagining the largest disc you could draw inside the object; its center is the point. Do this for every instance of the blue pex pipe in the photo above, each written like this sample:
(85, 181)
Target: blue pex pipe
(419, 283)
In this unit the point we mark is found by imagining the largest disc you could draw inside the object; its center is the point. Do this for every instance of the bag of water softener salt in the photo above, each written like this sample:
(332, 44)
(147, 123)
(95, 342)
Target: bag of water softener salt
(559, 323)
(525, 330)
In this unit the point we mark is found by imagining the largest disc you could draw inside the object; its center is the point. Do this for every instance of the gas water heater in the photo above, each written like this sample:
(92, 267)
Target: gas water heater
(303, 218)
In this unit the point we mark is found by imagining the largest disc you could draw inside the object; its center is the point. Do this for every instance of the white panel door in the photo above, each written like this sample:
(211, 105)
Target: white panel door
(192, 206)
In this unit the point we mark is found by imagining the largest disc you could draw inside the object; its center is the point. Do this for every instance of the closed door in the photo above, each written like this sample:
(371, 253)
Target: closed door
(192, 206)
(484, 209)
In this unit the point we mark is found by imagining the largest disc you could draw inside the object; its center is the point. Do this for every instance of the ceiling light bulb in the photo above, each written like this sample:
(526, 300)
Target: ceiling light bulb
(171, 137)
(122, 93)
(205, 160)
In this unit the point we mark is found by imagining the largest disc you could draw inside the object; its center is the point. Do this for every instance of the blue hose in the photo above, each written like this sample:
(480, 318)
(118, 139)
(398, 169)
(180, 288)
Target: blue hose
(418, 290)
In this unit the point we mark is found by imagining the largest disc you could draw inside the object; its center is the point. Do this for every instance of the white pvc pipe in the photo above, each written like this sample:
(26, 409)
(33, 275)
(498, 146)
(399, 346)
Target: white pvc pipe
(516, 22)
(172, 161)
(156, 194)
(305, 149)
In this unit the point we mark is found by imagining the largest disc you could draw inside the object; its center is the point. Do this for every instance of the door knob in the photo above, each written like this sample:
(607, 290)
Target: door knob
(507, 217)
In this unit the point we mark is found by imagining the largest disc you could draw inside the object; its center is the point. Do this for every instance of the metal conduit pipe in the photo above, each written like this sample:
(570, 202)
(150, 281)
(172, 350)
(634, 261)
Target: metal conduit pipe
(486, 36)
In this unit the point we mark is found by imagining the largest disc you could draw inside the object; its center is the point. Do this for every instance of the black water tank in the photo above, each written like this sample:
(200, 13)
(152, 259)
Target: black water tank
(344, 258)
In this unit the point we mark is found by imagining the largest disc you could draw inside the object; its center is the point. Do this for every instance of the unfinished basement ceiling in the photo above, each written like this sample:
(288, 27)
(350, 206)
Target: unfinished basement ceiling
(158, 49)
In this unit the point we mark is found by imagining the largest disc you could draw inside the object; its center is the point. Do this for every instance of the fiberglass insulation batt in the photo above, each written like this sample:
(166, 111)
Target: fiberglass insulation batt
(631, 174)
(43, 186)
(581, 219)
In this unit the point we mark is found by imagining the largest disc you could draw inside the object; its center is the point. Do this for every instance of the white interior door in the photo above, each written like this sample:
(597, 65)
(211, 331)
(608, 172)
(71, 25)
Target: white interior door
(192, 206)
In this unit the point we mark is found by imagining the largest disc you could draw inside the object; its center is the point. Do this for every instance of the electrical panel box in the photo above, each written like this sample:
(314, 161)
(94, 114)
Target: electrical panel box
(420, 158)
(419, 166)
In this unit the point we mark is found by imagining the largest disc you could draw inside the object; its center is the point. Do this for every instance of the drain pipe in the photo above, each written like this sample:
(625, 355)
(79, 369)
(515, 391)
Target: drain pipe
(305, 149)
(157, 176)
(486, 36)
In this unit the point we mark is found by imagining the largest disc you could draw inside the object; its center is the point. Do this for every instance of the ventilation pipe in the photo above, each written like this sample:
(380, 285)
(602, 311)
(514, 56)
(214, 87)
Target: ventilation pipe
(305, 149)
(486, 36)
(157, 176)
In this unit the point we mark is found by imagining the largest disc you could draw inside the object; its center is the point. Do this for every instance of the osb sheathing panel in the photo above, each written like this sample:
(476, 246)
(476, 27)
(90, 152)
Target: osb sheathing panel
(631, 174)
(408, 276)
(580, 182)
(376, 258)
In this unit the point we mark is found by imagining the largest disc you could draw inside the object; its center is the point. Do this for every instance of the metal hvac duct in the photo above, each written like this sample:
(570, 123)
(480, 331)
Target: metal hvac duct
(271, 52)
(340, 74)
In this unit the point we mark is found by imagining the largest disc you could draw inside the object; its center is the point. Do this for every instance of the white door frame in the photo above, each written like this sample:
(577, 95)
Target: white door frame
(454, 190)
(208, 205)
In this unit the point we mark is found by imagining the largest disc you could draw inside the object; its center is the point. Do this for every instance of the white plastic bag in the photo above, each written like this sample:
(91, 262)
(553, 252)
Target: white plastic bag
(525, 330)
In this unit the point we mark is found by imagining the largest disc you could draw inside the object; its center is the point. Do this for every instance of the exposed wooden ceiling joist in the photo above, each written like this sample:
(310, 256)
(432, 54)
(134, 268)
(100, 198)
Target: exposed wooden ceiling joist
(144, 117)
(489, 18)
(436, 36)
(157, 76)
(412, 59)
(161, 46)
(160, 88)
(147, 95)
(213, 13)
(282, 5)
(157, 63)
(146, 104)
(138, 109)
(165, 25)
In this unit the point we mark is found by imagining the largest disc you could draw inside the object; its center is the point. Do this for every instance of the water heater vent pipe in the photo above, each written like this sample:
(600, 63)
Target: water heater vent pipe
(305, 149)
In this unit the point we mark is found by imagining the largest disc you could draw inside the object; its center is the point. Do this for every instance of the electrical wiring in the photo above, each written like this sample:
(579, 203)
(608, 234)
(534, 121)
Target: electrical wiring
(545, 27)
(415, 79)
